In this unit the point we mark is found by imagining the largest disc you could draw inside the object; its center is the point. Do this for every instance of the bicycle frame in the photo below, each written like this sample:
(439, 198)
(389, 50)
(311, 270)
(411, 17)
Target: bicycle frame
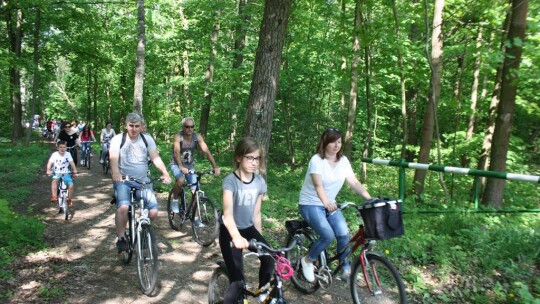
(135, 222)
(196, 194)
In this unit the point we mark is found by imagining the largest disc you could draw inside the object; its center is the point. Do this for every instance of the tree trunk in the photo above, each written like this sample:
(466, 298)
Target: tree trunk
(185, 57)
(474, 89)
(433, 98)
(139, 65)
(209, 77)
(404, 125)
(14, 20)
(239, 44)
(483, 160)
(35, 82)
(262, 95)
(503, 125)
(95, 118)
(353, 94)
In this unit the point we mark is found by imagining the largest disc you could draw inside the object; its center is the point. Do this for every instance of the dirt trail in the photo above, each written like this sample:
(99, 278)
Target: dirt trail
(82, 266)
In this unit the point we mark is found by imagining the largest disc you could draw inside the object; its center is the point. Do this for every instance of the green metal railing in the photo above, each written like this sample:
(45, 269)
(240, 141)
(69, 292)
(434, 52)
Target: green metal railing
(448, 169)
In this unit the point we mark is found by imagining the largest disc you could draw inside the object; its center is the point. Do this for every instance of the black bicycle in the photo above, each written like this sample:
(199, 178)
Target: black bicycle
(141, 239)
(73, 152)
(86, 154)
(105, 165)
(201, 211)
(219, 282)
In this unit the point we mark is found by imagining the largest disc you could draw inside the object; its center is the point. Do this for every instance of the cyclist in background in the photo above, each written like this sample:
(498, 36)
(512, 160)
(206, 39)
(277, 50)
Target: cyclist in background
(182, 157)
(105, 138)
(128, 157)
(326, 173)
(86, 134)
(60, 163)
(69, 135)
(243, 191)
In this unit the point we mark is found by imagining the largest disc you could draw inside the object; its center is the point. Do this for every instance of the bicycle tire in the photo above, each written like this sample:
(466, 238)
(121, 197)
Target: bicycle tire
(88, 157)
(65, 205)
(380, 270)
(128, 255)
(205, 229)
(147, 260)
(176, 220)
(218, 285)
(294, 256)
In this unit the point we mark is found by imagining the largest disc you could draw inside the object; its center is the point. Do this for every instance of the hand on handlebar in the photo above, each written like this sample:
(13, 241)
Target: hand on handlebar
(240, 243)
(331, 207)
(166, 179)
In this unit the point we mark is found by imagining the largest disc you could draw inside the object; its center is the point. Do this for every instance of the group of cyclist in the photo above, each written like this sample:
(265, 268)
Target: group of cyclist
(243, 190)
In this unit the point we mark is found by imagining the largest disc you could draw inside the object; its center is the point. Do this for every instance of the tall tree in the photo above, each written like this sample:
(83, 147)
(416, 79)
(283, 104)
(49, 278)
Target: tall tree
(505, 114)
(264, 84)
(35, 80)
(14, 19)
(209, 76)
(139, 65)
(430, 116)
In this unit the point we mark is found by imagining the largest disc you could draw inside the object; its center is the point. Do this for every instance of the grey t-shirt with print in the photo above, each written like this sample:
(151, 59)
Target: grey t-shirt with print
(245, 196)
(134, 155)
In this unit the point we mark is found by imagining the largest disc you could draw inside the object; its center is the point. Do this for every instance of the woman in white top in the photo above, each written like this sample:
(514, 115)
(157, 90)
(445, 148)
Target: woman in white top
(326, 174)
(105, 138)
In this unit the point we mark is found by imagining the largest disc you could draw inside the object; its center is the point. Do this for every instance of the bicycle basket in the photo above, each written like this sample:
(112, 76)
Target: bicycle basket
(383, 218)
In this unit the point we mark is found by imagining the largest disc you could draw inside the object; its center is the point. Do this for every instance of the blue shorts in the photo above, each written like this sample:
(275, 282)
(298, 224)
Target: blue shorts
(122, 192)
(67, 178)
(190, 178)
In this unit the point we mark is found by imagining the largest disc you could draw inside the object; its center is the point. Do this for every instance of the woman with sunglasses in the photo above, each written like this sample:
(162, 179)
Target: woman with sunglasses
(70, 137)
(327, 172)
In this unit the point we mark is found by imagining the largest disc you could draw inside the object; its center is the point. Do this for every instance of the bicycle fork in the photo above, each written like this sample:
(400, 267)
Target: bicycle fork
(370, 274)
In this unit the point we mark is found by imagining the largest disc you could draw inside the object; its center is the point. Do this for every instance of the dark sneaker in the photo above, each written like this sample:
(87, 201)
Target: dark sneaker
(121, 245)
(60, 210)
(113, 201)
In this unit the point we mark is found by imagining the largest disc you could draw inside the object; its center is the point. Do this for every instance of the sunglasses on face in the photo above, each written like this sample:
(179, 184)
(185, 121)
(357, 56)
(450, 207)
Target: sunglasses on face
(189, 127)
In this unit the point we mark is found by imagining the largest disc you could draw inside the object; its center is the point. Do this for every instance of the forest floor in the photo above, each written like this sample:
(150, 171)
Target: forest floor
(81, 264)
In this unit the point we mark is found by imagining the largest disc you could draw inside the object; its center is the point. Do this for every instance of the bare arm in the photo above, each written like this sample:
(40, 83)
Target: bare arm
(317, 182)
(257, 215)
(156, 159)
(357, 187)
(228, 220)
(176, 152)
(204, 148)
(115, 169)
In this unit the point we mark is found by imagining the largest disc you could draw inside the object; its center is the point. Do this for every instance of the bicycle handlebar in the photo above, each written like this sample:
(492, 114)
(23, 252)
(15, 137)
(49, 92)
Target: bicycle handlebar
(201, 173)
(139, 181)
(346, 205)
(254, 245)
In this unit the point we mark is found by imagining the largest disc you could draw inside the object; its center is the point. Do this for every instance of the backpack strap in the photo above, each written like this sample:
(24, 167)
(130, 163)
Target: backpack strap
(124, 135)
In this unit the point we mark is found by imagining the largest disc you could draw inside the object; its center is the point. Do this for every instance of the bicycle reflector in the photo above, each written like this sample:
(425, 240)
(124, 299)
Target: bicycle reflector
(283, 268)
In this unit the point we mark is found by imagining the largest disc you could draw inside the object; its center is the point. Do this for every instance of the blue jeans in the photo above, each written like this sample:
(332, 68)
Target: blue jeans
(84, 145)
(190, 178)
(122, 191)
(329, 227)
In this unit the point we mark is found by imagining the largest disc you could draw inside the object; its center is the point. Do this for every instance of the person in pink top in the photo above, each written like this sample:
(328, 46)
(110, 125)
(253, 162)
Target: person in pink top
(85, 136)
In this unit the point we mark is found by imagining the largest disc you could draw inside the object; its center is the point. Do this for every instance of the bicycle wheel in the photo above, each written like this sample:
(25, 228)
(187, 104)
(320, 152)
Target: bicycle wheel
(218, 285)
(65, 206)
(176, 220)
(294, 256)
(88, 157)
(383, 283)
(205, 226)
(147, 260)
(127, 255)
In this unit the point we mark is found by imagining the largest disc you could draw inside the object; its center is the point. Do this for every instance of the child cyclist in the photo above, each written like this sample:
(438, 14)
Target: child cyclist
(60, 163)
(242, 197)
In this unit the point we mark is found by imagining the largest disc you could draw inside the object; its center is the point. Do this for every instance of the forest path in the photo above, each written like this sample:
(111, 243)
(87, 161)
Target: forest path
(81, 264)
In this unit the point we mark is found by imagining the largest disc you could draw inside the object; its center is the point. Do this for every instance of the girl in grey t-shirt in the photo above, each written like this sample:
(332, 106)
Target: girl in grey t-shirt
(242, 197)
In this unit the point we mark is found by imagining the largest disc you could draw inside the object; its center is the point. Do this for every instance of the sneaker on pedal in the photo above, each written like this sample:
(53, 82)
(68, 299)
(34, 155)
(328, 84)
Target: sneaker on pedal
(262, 297)
(345, 275)
(308, 270)
(60, 210)
(82, 162)
(121, 245)
(197, 223)
(174, 206)
(101, 161)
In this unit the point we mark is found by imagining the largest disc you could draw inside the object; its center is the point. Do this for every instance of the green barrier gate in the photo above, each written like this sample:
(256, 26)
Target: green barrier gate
(448, 169)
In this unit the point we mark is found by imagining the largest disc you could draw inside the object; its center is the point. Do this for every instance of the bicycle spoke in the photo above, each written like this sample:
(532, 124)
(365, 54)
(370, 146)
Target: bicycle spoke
(205, 225)
(379, 282)
(147, 260)
(219, 283)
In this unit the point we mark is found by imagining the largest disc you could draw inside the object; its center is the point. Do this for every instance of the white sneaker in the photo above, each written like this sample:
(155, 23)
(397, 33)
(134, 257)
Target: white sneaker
(82, 162)
(308, 270)
(345, 275)
(262, 297)
(101, 161)
(174, 205)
